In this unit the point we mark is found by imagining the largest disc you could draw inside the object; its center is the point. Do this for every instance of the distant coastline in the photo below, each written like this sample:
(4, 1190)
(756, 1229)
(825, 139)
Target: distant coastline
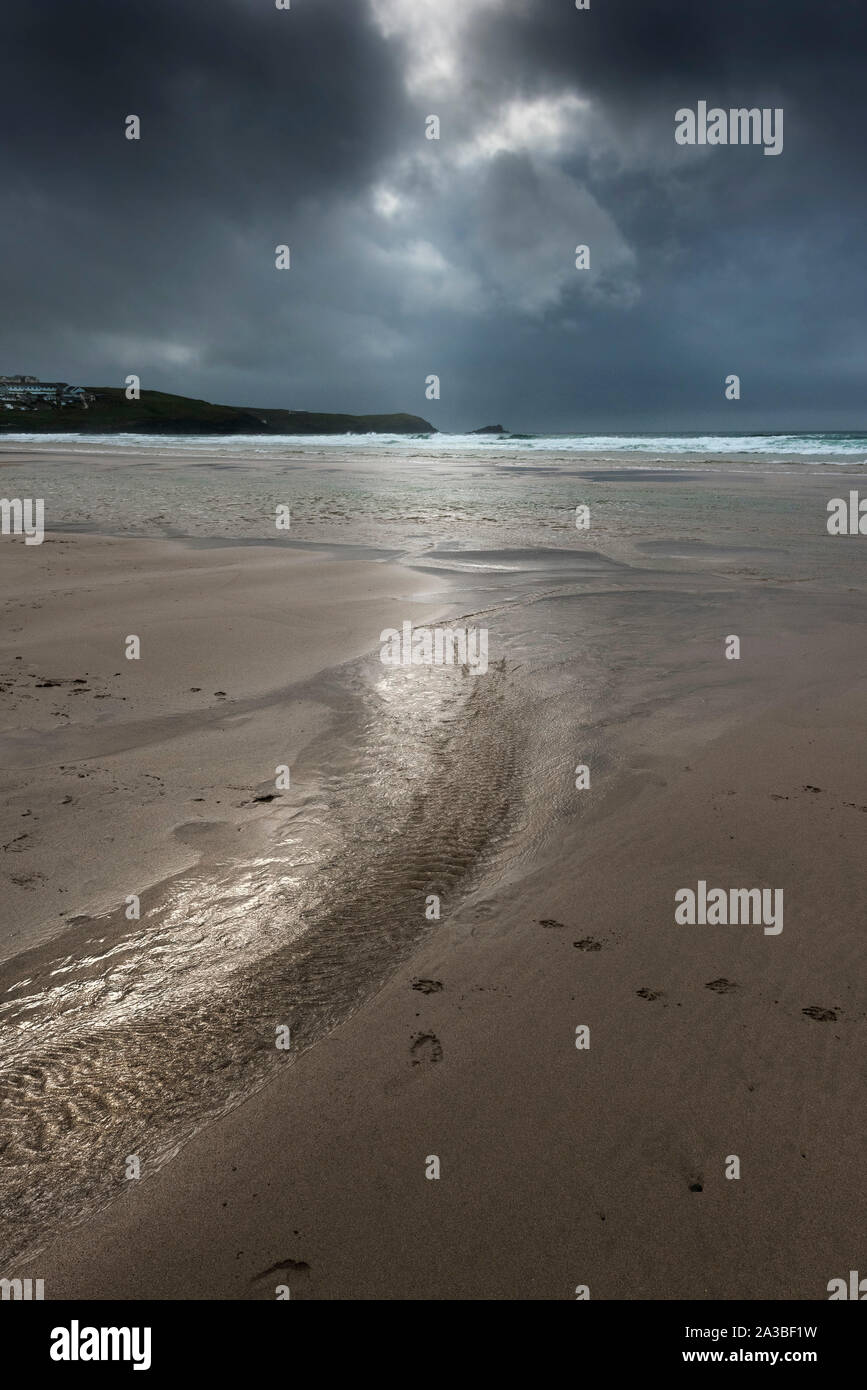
(157, 412)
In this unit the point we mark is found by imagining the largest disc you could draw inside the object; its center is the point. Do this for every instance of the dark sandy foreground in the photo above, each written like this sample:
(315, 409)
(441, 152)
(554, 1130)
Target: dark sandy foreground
(562, 1167)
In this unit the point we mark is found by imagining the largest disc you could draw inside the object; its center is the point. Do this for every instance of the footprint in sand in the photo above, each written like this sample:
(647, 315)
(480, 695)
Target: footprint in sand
(27, 880)
(820, 1015)
(588, 943)
(649, 993)
(428, 986)
(721, 986)
(426, 1050)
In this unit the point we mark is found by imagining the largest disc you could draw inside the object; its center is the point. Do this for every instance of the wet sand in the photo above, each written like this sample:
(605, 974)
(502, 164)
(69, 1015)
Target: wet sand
(126, 758)
(456, 1038)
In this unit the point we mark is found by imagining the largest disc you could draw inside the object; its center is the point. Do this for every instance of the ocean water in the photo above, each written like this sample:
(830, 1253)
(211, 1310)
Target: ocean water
(846, 446)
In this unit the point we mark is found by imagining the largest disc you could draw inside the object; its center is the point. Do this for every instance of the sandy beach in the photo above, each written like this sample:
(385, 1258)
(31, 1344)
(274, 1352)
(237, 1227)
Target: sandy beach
(145, 751)
(454, 1038)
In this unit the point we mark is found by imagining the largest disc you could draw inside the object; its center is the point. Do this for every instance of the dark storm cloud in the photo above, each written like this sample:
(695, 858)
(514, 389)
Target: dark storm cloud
(457, 257)
(251, 120)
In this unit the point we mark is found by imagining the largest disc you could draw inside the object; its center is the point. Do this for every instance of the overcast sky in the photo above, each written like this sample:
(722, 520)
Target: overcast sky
(412, 256)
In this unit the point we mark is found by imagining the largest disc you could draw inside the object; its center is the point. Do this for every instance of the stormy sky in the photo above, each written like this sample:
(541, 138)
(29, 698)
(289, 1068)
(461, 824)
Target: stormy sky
(411, 256)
